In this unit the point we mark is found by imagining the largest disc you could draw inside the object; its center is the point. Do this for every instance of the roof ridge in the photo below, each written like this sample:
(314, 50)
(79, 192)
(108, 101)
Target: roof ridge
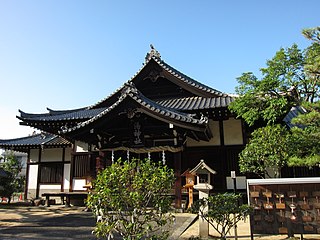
(51, 111)
(185, 78)
(155, 56)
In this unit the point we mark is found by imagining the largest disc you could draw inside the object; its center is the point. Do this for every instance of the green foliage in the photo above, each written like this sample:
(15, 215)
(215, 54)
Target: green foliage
(290, 78)
(131, 198)
(304, 144)
(267, 149)
(13, 182)
(305, 140)
(224, 211)
(311, 84)
(269, 98)
(312, 34)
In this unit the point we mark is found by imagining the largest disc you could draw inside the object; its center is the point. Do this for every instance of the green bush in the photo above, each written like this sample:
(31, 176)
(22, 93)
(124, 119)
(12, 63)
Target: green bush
(131, 198)
(224, 211)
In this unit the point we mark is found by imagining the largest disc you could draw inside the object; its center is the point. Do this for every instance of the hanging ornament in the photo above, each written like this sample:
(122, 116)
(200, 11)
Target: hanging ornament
(128, 155)
(163, 158)
(149, 155)
(112, 156)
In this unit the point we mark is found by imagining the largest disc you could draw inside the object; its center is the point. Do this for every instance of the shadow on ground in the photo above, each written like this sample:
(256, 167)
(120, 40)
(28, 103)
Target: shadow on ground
(57, 222)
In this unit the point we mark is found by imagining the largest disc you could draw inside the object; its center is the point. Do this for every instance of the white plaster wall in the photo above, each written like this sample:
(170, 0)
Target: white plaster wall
(214, 141)
(34, 155)
(232, 130)
(68, 152)
(66, 177)
(33, 176)
(47, 188)
(51, 155)
(50, 187)
(78, 184)
(32, 181)
(81, 146)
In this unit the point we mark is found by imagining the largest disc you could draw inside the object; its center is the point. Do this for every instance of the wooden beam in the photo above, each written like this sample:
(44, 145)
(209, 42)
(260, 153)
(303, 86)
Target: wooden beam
(195, 136)
(38, 177)
(177, 173)
(27, 176)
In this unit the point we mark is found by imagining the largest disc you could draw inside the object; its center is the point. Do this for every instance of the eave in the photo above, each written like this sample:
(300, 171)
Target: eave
(150, 108)
(42, 140)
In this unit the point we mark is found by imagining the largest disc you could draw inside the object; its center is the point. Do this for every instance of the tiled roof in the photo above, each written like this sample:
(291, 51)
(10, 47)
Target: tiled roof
(3, 173)
(180, 104)
(196, 103)
(130, 91)
(42, 139)
(218, 99)
(63, 116)
(184, 78)
(294, 112)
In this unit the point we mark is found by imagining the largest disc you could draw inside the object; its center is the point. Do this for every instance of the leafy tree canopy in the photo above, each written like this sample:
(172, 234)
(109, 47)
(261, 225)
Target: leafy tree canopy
(13, 182)
(304, 144)
(312, 34)
(290, 78)
(266, 152)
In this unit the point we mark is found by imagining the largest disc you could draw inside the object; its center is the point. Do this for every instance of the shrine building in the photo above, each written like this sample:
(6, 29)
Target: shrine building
(160, 113)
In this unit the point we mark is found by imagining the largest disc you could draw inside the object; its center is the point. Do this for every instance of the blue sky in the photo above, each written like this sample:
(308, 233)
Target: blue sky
(66, 54)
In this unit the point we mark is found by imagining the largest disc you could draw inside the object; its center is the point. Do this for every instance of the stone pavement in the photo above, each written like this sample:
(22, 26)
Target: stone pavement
(58, 222)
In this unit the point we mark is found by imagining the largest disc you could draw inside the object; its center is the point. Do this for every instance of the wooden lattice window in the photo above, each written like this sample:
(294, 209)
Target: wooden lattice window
(51, 173)
(82, 165)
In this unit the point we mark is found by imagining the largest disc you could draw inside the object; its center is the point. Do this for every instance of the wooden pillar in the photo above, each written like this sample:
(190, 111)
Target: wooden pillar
(177, 173)
(221, 131)
(26, 187)
(63, 163)
(39, 173)
(71, 171)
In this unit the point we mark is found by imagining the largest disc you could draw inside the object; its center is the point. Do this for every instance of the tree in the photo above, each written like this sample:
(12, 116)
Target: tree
(131, 198)
(305, 139)
(304, 142)
(268, 99)
(290, 79)
(224, 211)
(312, 34)
(13, 182)
(266, 153)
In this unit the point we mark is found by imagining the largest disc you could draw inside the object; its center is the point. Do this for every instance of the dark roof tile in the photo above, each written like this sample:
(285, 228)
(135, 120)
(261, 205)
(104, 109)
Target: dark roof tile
(294, 112)
(42, 139)
(67, 115)
(196, 103)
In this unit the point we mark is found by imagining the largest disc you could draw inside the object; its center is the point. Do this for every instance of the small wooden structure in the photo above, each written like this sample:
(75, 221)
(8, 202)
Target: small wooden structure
(190, 180)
